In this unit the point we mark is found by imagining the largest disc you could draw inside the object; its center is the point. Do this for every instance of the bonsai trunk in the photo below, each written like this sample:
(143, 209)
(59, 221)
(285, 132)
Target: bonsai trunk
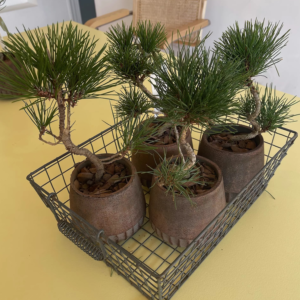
(189, 150)
(66, 138)
(251, 118)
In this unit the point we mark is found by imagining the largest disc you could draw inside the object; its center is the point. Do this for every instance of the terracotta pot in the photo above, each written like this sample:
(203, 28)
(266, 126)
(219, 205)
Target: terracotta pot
(238, 168)
(3, 84)
(120, 214)
(180, 226)
(144, 161)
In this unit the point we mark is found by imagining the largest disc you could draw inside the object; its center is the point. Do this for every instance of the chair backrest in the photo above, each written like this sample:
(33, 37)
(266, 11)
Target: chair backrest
(171, 13)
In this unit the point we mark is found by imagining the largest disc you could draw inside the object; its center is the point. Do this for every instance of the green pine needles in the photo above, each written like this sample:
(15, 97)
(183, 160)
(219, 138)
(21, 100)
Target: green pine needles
(257, 46)
(60, 68)
(173, 175)
(132, 102)
(134, 53)
(57, 69)
(196, 87)
(275, 110)
(63, 60)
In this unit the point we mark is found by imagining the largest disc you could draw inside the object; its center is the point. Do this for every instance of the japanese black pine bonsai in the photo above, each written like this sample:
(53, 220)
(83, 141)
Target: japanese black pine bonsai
(257, 46)
(56, 71)
(195, 87)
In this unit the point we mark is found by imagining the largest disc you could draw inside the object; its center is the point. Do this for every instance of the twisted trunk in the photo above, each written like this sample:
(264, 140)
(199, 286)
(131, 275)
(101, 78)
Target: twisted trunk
(178, 143)
(251, 118)
(62, 114)
(163, 128)
(66, 139)
(189, 150)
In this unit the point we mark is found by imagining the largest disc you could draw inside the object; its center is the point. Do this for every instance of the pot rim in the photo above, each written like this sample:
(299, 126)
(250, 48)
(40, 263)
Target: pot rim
(169, 145)
(82, 164)
(258, 147)
(203, 159)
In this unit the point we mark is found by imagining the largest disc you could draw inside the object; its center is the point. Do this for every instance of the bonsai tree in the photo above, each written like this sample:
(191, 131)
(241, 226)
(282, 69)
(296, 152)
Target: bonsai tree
(257, 46)
(57, 70)
(194, 87)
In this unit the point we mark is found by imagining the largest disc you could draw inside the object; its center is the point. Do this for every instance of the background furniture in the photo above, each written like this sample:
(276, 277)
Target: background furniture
(177, 16)
(257, 260)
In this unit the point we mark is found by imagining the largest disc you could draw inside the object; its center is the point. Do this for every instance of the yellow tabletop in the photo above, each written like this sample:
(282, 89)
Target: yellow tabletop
(258, 259)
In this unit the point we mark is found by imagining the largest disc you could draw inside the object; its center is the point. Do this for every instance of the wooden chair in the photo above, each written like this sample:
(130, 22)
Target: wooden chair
(178, 16)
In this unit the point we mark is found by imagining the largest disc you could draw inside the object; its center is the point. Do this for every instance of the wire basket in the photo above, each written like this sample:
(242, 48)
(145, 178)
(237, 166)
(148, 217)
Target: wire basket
(153, 266)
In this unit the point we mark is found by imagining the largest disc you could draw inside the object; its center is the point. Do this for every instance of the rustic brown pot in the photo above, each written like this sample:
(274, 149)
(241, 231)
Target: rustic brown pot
(180, 226)
(120, 214)
(146, 161)
(238, 169)
(4, 85)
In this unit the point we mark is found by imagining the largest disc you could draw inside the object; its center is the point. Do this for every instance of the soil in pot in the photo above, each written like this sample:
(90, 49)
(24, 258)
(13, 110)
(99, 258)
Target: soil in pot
(116, 204)
(180, 224)
(239, 161)
(116, 177)
(222, 141)
(163, 145)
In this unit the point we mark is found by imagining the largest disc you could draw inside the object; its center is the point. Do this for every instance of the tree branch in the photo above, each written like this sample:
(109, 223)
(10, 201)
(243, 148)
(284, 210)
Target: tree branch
(251, 118)
(50, 143)
(178, 143)
(111, 157)
(120, 156)
(62, 114)
(52, 134)
(140, 84)
(42, 131)
(69, 117)
(66, 139)
(163, 128)
(189, 150)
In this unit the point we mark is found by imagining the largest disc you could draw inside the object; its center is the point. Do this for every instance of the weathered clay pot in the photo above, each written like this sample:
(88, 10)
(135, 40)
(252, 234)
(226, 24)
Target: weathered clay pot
(146, 161)
(4, 85)
(180, 226)
(120, 214)
(237, 168)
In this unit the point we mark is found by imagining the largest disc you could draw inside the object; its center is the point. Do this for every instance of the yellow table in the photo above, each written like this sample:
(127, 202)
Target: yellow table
(258, 259)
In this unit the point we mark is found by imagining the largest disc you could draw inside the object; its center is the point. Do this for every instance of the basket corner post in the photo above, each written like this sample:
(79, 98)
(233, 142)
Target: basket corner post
(159, 285)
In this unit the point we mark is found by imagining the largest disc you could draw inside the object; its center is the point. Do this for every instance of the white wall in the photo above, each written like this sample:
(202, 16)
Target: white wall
(46, 12)
(224, 13)
(107, 6)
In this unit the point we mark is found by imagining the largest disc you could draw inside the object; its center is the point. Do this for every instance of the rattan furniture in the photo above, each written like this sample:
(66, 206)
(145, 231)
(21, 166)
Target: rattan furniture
(178, 16)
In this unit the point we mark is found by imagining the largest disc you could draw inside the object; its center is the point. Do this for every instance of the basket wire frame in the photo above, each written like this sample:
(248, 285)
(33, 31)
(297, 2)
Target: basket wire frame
(156, 268)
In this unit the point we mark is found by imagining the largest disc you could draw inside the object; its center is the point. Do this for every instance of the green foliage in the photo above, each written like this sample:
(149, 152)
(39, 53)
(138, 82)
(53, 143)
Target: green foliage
(173, 176)
(132, 133)
(132, 102)
(275, 110)
(41, 115)
(194, 86)
(130, 58)
(121, 37)
(257, 45)
(64, 58)
(151, 37)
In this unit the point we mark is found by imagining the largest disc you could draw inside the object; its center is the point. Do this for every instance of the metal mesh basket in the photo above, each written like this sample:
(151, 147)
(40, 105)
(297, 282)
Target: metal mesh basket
(154, 267)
